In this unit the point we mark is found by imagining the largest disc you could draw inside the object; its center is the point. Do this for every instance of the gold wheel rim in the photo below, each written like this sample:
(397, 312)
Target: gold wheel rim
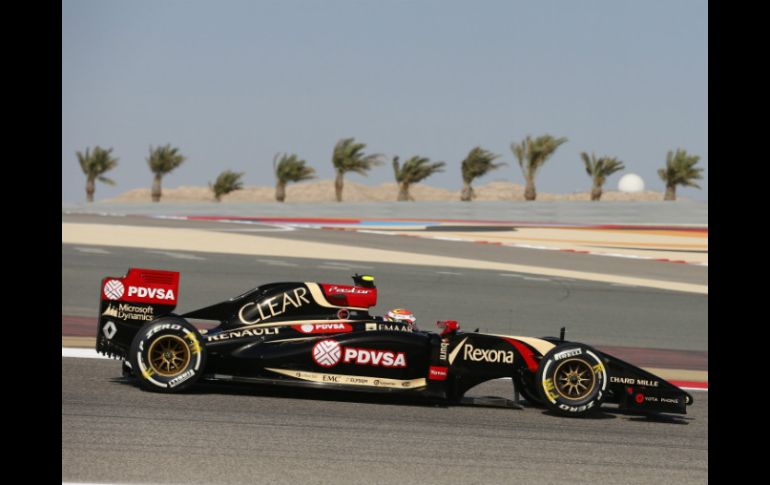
(574, 379)
(169, 355)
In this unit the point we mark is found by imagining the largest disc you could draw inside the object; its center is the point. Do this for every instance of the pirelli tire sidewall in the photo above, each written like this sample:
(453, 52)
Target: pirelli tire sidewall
(562, 360)
(189, 353)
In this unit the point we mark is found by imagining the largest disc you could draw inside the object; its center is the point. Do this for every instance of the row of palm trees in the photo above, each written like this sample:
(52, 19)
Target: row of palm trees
(349, 156)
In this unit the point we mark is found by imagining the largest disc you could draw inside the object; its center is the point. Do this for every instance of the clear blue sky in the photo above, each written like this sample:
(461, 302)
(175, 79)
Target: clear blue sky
(231, 83)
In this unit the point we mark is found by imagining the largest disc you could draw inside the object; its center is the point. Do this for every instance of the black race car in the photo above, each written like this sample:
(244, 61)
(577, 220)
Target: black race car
(322, 335)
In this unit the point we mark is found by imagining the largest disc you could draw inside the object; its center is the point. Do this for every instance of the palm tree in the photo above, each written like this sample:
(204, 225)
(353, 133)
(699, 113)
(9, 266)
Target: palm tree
(162, 160)
(289, 169)
(94, 165)
(227, 182)
(414, 170)
(599, 170)
(680, 170)
(532, 154)
(348, 157)
(476, 164)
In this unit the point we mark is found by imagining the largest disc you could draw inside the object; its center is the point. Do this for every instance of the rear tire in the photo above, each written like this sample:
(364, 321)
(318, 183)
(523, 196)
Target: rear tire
(572, 380)
(167, 355)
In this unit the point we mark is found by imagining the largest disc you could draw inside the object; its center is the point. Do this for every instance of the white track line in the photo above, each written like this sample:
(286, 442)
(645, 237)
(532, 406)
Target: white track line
(92, 250)
(177, 255)
(382, 233)
(81, 353)
(271, 262)
(347, 265)
(442, 238)
(85, 483)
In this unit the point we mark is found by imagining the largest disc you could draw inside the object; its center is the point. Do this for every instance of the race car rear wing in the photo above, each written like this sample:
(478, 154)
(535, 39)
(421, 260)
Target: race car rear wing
(128, 302)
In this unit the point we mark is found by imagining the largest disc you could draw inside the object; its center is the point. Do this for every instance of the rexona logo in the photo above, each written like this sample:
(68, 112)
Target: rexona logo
(323, 328)
(327, 353)
(493, 356)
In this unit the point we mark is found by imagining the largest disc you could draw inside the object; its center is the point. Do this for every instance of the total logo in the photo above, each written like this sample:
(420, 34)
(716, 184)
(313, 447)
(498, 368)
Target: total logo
(328, 353)
(323, 328)
(114, 290)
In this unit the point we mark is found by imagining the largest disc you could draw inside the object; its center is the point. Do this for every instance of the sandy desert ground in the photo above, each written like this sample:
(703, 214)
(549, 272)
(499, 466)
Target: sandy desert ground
(323, 191)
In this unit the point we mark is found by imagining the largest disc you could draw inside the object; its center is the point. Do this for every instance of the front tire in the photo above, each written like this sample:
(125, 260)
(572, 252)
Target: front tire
(572, 380)
(167, 355)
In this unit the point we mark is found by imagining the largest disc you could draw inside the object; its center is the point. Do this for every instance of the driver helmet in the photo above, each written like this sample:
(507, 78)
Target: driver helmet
(402, 315)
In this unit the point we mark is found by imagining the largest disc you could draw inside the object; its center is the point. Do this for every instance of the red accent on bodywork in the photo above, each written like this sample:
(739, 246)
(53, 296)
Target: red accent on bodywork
(639, 398)
(526, 353)
(146, 286)
(355, 296)
(436, 373)
(448, 326)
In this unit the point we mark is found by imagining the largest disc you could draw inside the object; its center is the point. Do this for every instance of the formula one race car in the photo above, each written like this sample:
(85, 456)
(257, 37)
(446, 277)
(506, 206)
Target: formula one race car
(322, 335)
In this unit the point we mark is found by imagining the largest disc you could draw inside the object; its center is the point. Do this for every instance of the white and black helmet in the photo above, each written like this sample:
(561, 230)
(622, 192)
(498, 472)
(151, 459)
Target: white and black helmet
(402, 315)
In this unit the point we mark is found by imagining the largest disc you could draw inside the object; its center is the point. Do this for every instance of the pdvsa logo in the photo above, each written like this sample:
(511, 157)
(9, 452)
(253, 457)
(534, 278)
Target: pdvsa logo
(384, 358)
(114, 289)
(323, 327)
(152, 293)
(327, 353)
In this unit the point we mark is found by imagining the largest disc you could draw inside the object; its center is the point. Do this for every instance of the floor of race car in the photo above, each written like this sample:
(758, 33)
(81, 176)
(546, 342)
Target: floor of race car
(114, 433)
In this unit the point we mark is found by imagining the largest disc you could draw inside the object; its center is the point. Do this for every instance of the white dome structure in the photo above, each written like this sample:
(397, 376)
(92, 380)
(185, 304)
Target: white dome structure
(631, 183)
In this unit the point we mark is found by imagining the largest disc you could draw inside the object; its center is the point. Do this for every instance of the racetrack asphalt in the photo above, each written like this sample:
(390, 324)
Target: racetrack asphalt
(515, 304)
(112, 432)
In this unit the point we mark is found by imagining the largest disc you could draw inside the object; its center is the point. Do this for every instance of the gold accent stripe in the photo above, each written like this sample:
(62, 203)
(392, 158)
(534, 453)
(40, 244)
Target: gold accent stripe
(542, 346)
(453, 354)
(352, 380)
